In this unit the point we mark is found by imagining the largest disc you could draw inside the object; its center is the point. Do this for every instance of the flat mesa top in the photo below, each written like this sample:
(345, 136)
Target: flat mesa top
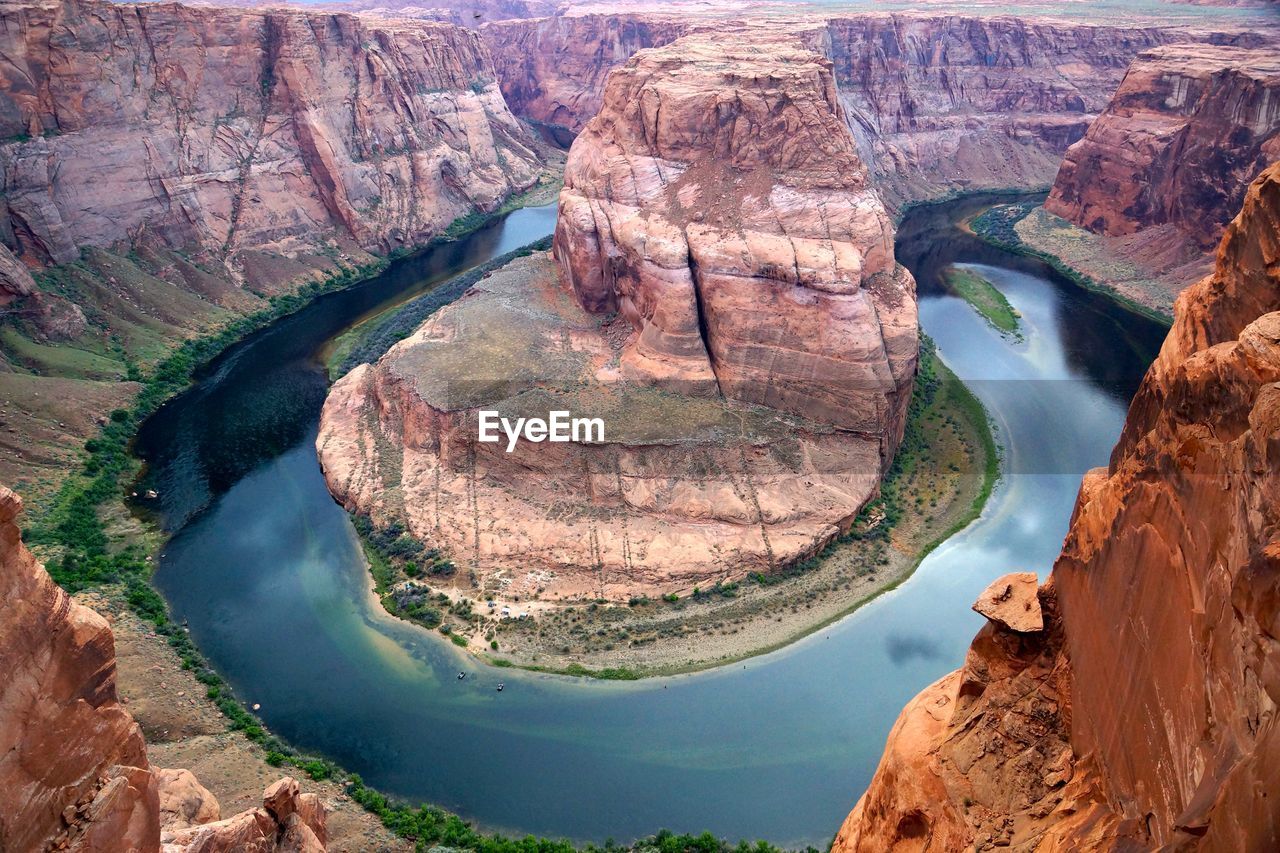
(518, 343)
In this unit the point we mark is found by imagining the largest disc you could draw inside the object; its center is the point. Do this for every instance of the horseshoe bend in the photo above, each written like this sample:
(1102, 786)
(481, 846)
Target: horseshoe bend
(889, 395)
(722, 293)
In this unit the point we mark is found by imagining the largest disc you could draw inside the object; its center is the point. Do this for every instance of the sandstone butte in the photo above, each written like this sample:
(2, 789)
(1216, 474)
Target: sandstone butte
(723, 294)
(1188, 129)
(939, 103)
(1142, 716)
(73, 765)
(263, 144)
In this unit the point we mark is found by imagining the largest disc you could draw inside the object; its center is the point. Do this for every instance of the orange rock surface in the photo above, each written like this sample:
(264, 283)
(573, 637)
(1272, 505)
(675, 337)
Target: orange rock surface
(73, 766)
(725, 299)
(1144, 714)
(1188, 129)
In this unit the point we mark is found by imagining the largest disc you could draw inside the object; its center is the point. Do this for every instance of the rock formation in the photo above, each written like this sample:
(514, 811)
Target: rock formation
(1188, 129)
(1143, 714)
(725, 299)
(73, 765)
(243, 134)
(718, 203)
(937, 103)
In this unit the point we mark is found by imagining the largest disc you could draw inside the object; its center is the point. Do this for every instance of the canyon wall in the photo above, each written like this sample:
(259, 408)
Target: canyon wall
(937, 103)
(951, 103)
(1143, 713)
(234, 132)
(724, 296)
(73, 766)
(1188, 129)
(552, 70)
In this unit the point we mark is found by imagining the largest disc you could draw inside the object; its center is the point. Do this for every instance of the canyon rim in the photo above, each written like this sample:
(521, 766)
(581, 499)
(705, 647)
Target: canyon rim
(309, 250)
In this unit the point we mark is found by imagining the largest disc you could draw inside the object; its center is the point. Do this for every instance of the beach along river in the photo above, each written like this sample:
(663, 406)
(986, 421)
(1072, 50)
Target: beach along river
(267, 571)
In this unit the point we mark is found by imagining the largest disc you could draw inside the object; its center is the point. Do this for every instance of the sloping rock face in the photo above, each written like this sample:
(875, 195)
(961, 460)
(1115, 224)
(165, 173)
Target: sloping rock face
(1143, 714)
(1188, 129)
(238, 132)
(723, 297)
(65, 740)
(552, 70)
(73, 766)
(937, 103)
(950, 103)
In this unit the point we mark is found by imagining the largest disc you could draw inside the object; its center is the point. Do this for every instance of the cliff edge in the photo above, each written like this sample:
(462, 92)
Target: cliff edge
(1142, 714)
(73, 765)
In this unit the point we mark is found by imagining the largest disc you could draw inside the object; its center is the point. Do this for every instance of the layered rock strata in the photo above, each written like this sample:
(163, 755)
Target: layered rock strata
(73, 766)
(937, 103)
(1188, 129)
(951, 103)
(237, 132)
(1142, 715)
(723, 296)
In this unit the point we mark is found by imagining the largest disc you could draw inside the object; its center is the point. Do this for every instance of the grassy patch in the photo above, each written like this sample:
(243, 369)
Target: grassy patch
(985, 298)
(997, 224)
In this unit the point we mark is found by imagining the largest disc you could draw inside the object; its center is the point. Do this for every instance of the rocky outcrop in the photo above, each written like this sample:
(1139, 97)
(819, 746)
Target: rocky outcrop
(937, 103)
(48, 316)
(73, 766)
(717, 202)
(1012, 601)
(1143, 714)
(67, 746)
(724, 297)
(238, 133)
(1188, 129)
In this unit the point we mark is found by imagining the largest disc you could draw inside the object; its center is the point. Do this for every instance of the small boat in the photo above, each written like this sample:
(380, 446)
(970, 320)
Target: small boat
(461, 675)
(500, 686)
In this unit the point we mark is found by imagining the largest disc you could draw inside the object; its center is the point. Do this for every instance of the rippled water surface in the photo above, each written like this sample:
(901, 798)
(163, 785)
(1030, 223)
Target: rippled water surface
(266, 569)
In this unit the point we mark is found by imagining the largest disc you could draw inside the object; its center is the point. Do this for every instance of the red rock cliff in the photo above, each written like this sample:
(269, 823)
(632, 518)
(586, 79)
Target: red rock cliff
(73, 765)
(1188, 129)
(1143, 713)
(552, 70)
(237, 131)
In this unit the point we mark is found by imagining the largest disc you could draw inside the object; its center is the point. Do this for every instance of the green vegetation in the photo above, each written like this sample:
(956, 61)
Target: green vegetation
(374, 338)
(986, 299)
(997, 225)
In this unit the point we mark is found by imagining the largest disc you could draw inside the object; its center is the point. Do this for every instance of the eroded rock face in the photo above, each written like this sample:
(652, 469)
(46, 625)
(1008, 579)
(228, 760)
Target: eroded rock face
(946, 103)
(1188, 129)
(723, 296)
(1144, 714)
(718, 204)
(552, 70)
(65, 740)
(73, 766)
(242, 132)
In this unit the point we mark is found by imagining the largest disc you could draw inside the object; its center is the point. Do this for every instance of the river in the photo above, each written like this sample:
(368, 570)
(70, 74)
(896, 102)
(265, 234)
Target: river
(267, 571)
